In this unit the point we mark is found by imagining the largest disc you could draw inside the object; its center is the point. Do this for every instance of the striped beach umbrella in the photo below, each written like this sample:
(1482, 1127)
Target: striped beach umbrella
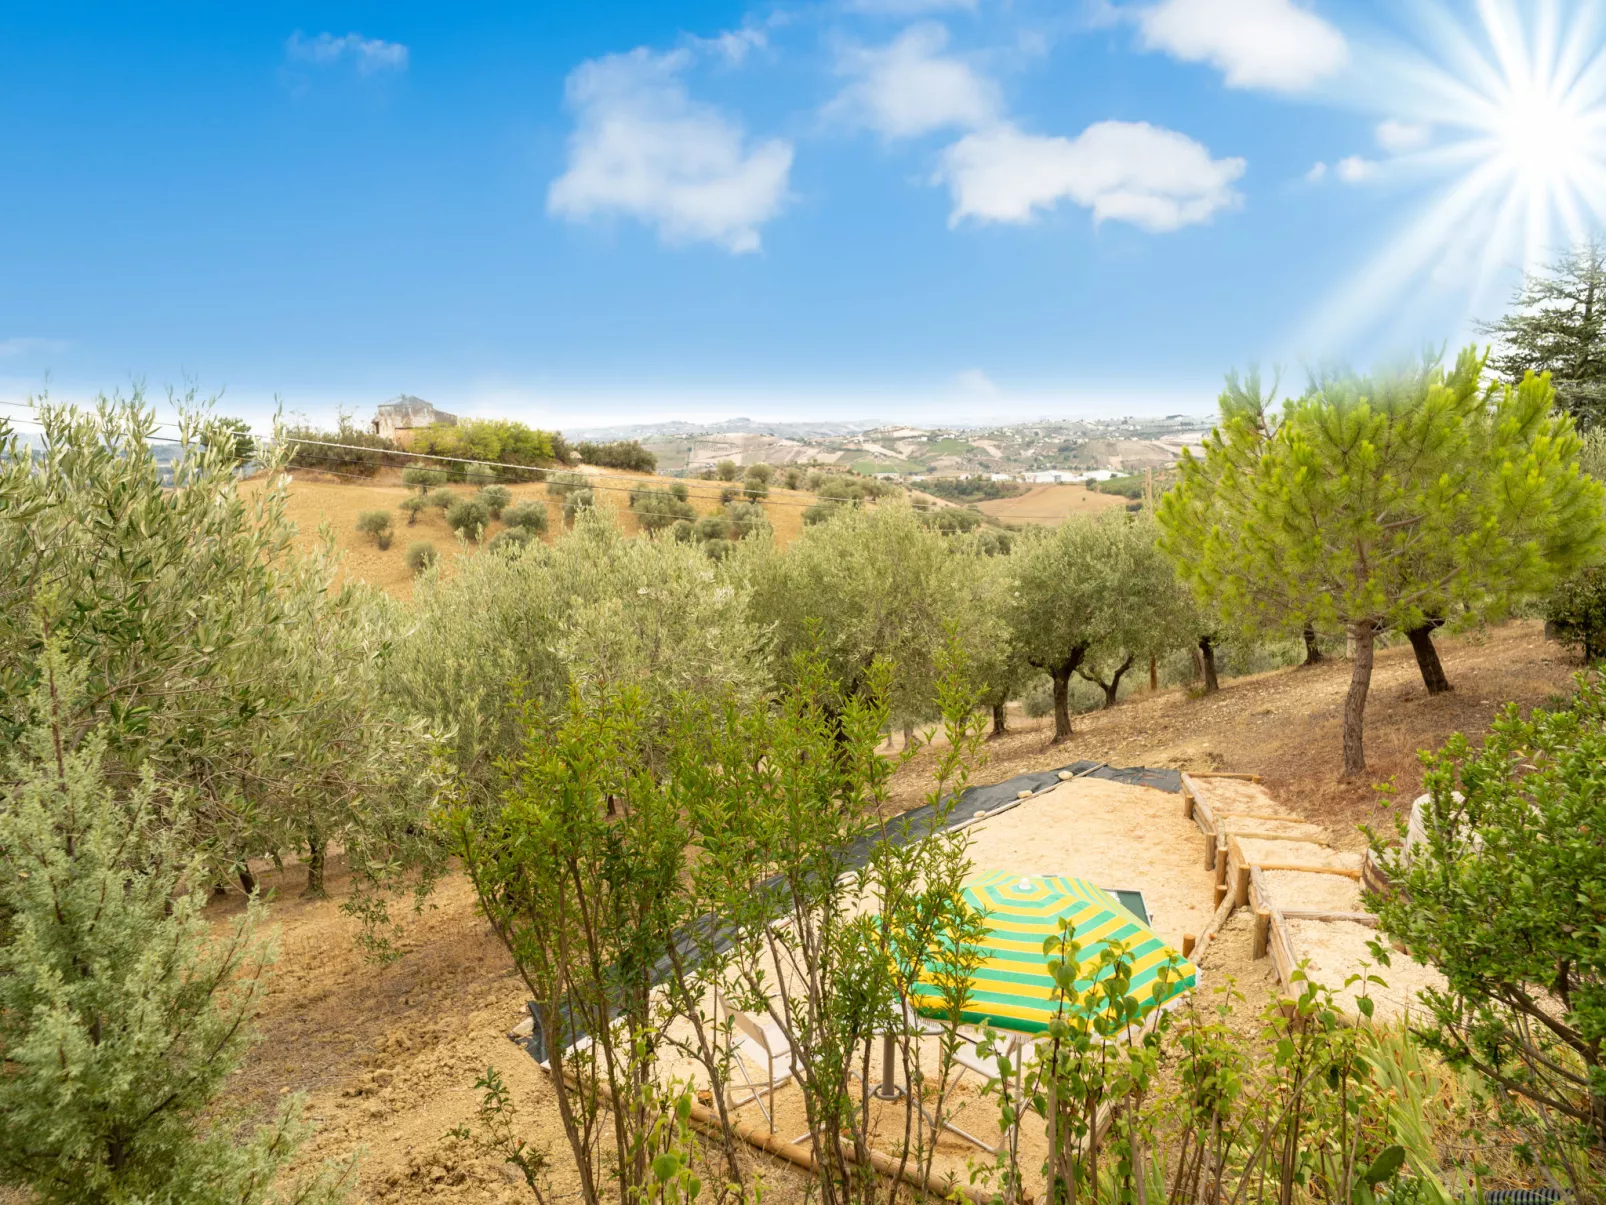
(1012, 987)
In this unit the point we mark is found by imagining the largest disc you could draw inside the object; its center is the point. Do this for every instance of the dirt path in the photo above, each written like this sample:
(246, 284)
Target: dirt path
(388, 1055)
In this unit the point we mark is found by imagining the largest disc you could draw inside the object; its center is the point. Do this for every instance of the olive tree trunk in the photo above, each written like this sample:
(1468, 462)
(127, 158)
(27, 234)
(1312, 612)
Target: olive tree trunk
(315, 862)
(1362, 636)
(999, 718)
(1427, 657)
(1207, 661)
(1313, 654)
(1060, 673)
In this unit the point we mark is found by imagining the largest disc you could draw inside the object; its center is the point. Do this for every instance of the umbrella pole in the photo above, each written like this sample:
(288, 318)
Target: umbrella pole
(888, 1088)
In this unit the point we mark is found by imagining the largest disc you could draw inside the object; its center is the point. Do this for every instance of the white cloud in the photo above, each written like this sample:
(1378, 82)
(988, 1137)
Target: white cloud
(1397, 137)
(1123, 171)
(644, 148)
(1318, 172)
(977, 383)
(1355, 170)
(21, 345)
(369, 54)
(734, 44)
(1271, 44)
(909, 87)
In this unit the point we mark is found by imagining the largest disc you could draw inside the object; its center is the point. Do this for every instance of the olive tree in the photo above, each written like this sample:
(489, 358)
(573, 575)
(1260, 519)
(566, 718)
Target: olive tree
(1375, 503)
(122, 1012)
(1146, 612)
(1059, 606)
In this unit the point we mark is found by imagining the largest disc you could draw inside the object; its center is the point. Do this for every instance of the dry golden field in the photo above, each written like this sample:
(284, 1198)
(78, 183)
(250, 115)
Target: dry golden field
(1050, 504)
(318, 498)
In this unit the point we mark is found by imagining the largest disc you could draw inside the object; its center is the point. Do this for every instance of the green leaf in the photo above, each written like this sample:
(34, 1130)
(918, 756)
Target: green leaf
(665, 1166)
(1385, 1165)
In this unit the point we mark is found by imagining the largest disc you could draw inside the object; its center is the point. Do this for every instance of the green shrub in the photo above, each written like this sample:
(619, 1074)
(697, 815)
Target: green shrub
(441, 499)
(577, 501)
(531, 516)
(423, 476)
(792, 479)
(479, 474)
(412, 504)
(680, 491)
(468, 516)
(656, 509)
(684, 531)
(745, 518)
(952, 519)
(374, 523)
(382, 540)
(346, 449)
(760, 474)
(1576, 610)
(625, 454)
(496, 499)
(727, 496)
(493, 441)
(718, 549)
(820, 512)
(754, 489)
(726, 470)
(563, 483)
(971, 489)
(712, 527)
(512, 539)
(421, 555)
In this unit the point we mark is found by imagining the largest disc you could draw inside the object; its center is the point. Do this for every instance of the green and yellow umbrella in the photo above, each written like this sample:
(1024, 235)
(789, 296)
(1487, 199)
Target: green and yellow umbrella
(1012, 988)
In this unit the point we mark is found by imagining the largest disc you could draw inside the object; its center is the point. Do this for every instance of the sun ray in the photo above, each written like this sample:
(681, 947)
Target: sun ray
(1516, 98)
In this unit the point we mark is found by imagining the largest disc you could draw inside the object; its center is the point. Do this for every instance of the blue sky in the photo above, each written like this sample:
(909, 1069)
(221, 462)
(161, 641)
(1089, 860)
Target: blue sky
(922, 210)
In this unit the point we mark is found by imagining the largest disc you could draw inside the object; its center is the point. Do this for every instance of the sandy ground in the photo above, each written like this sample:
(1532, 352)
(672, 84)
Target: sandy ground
(1117, 836)
(1050, 504)
(319, 498)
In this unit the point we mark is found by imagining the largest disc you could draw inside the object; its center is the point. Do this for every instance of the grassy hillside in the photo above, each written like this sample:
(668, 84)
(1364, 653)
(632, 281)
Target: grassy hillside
(319, 498)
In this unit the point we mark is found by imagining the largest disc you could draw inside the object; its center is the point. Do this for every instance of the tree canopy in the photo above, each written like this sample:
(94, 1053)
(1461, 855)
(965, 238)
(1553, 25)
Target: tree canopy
(1378, 502)
(1557, 325)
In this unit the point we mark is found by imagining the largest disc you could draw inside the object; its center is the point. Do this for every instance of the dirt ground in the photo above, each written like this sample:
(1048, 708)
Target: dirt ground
(317, 498)
(1050, 504)
(388, 1055)
(1286, 725)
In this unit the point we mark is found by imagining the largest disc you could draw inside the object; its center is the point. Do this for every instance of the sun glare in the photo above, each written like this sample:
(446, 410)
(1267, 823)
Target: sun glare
(1513, 100)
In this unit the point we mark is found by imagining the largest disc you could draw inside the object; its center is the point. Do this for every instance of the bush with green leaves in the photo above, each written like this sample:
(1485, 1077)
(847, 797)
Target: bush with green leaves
(347, 449)
(442, 499)
(577, 502)
(820, 512)
(680, 490)
(493, 440)
(718, 548)
(562, 483)
(594, 608)
(744, 518)
(374, 523)
(414, 505)
(627, 454)
(421, 555)
(1576, 611)
(511, 540)
(727, 470)
(792, 479)
(1503, 897)
(423, 477)
(468, 517)
(496, 499)
(656, 509)
(479, 475)
(952, 519)
(530, 516)
(122, 1012)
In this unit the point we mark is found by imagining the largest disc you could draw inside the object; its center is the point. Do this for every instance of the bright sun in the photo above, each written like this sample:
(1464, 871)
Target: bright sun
(1510, 109)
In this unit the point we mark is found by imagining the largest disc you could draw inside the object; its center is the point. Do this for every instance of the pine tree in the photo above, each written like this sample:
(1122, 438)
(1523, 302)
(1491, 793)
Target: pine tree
(1558, 325)
(121, 1015)
(1378, 503)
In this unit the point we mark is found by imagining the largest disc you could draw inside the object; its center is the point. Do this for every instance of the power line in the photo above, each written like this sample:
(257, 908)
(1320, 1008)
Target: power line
(543, 472)
(586, 484)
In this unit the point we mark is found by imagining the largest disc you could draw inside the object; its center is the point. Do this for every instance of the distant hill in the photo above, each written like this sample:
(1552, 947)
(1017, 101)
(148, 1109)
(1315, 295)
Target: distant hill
(729, 426)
